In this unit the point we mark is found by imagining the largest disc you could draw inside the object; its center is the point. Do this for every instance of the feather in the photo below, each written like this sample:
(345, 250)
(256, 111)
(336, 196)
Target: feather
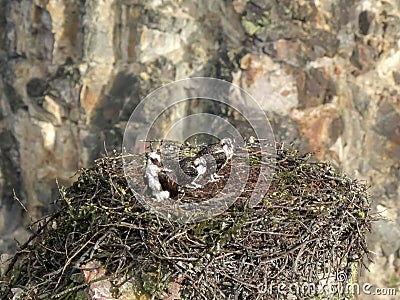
(168, 182)
(190, 170)
(217, 155)
(158, 179)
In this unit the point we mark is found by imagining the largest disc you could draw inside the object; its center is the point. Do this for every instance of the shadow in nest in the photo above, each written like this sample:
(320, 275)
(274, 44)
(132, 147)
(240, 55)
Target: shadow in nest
(310, 226)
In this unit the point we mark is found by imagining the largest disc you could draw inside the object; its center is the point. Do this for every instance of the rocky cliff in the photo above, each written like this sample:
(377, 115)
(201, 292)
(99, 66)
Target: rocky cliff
(327, 72)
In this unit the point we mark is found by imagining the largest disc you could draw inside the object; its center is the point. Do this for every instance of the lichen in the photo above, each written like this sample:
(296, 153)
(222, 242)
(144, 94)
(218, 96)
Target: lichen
(310, 227)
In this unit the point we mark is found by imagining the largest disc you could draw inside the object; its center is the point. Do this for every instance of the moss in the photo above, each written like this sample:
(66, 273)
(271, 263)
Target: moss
(394, 281)
(250, 27)
(309, 210)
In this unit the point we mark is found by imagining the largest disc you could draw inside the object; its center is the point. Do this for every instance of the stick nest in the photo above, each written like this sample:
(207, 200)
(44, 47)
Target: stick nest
(310, 227)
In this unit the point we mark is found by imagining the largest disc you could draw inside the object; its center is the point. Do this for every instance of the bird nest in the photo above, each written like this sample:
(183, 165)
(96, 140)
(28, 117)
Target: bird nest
(310, 228)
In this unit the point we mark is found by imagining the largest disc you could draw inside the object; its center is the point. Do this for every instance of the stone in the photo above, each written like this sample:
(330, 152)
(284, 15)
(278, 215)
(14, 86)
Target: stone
(326, 40)
(239, 6)
(272, 87)
(36, 87)
(388, 123)
(363, 57)
(54, 108)
(365, 19)
(317, 124)
(314, 88)
(326, 73)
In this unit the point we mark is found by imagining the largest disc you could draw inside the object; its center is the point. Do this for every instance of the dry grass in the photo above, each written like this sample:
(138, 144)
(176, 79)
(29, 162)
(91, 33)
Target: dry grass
(310, 226)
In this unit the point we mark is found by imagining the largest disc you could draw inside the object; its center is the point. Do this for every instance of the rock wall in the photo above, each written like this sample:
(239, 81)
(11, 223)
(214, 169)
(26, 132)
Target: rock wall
(327, 72)
(332, 68)
(71, 75)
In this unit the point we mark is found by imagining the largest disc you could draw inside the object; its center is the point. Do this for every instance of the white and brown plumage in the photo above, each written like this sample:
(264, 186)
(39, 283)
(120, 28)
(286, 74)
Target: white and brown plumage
(193, 168)
(187, 171)
(217, 155)
(159, 180)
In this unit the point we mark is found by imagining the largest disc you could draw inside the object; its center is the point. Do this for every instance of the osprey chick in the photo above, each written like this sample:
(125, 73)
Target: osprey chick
(160, 180)
(220, 154)
(194, 167)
